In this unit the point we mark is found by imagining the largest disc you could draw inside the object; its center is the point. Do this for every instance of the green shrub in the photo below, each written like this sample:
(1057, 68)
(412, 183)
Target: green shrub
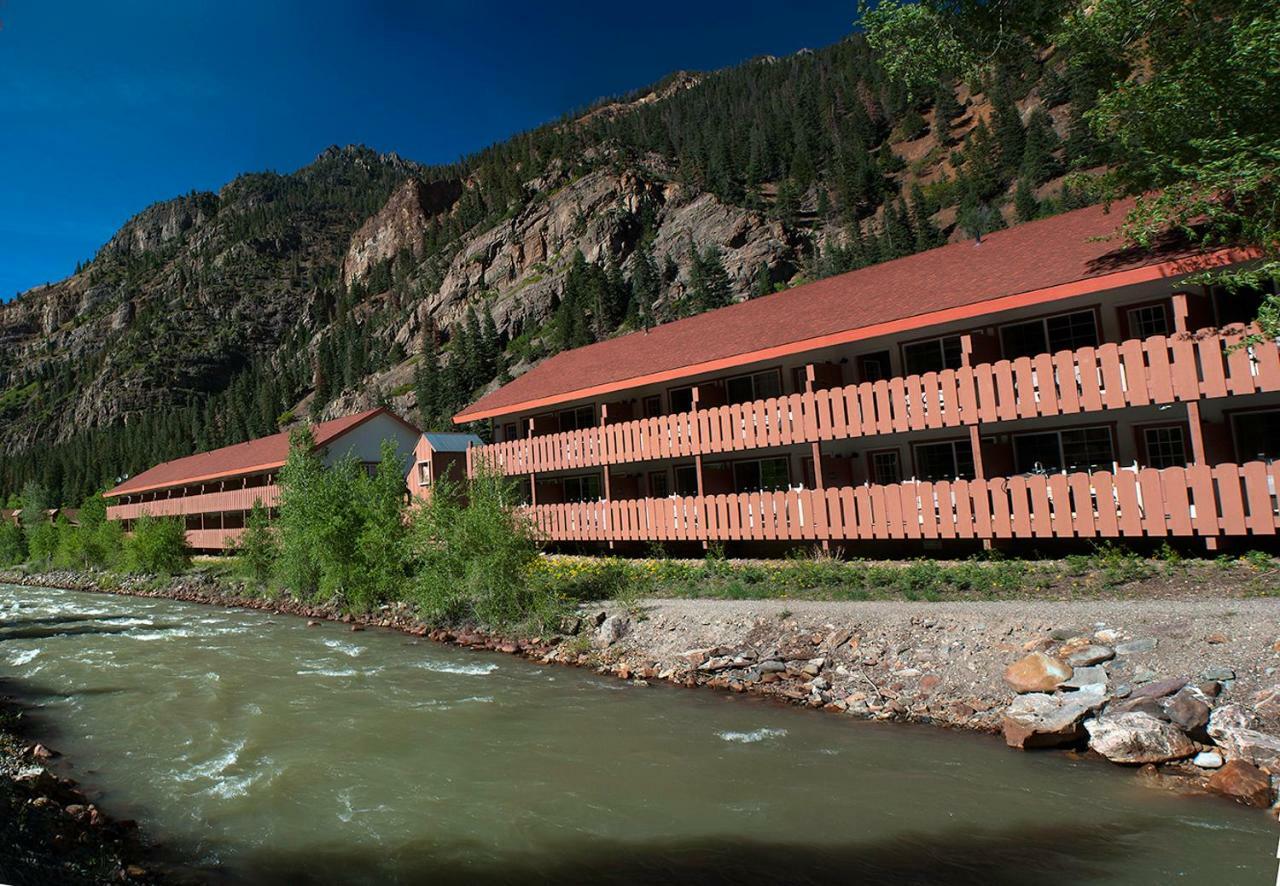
(342, 532)
(95, 543)
(158, 545)
(474, 554)
(13, 544)
(257, 549)
(42, 543)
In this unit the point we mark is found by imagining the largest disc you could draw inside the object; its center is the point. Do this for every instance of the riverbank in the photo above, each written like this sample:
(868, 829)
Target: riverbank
(1184, 688)
(51, 832)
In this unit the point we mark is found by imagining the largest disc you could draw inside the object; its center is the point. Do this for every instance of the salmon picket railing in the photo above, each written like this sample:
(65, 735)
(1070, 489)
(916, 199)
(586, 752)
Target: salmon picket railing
(1225, 500)
(1157, 370)
(213, 539)
(203, 503)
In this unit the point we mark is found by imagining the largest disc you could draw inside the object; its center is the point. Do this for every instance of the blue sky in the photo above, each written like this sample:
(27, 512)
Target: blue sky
(107, 107)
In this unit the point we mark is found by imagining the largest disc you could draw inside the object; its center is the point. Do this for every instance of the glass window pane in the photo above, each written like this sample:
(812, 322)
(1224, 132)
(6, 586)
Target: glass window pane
(952, 353)
(1088, 449)
(1033, 453)
(767, 384)
(922, 356)
(936, 461)
(746, 476)
(1024, 340)
(1150, 320)
(1071, 331)
(686, 480)
(740, 390)
(1258, 435)
(885, 468)
(873, 367)
(774, 474)
(964, 460)
(681, 399)
(1166, 447)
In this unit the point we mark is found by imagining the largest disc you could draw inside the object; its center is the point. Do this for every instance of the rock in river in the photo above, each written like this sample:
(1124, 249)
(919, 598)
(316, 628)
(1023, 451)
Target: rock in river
(1037, 672)
(1040, 720)
(1232, 728)
(1242, 782)
(1136, 737)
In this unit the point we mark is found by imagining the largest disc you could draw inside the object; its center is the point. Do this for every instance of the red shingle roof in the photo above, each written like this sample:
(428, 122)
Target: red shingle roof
(1028, 258)
(263, 454)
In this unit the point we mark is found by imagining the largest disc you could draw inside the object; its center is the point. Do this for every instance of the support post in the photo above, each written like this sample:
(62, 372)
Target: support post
(608, 496)
(1195, 424)
(533, 481)
(975, 430)
(697, 459)
(810, 379)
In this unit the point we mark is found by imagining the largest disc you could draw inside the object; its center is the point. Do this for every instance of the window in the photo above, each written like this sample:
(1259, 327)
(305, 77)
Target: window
(1149, 320)
(886, 468)
(509, 431)
(576, 419)
(1049, 335)
(757, 386)
(1257, 435)
(1079, 449)
(681, 399)
(952, 460)
(933, 355)
(873, 367)
(766, 474)
(585, 488)
(1241, 304)
(658, 486)
(686, 480)
(424, 473)
(1165, 447)
(652, 406)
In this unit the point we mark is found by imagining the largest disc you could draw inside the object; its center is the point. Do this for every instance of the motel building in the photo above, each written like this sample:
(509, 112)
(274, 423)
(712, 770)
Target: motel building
(215, 491)
(1042, 384)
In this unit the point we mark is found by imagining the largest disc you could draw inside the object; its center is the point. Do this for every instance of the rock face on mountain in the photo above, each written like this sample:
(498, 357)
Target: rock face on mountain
(398, 226)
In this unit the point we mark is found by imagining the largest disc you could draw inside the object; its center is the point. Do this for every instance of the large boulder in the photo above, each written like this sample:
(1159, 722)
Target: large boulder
(1040, 720)
(1233, 729)
(1188, 709)
(1242, 782)
(1136, 737)
(1090, 654)
(1037, 672)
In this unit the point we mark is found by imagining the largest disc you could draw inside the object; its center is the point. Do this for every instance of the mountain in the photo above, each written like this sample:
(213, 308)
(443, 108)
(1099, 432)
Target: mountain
(365, 277)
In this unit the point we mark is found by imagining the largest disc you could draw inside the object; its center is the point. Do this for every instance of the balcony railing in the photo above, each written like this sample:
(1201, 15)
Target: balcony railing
(213, 539)
(1157, 370)
(204, 503)
(1225, 500)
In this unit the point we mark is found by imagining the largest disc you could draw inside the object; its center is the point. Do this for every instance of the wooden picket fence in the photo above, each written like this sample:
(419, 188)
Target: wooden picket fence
(1226, 500)
(1156, 370)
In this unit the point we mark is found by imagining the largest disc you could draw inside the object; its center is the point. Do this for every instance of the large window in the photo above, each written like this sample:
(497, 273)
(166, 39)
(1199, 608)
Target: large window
(585, 488)
(1257, 435)
(1148, 320)
(756, 386)
(874, 367)
(1048, 335)
(686, 479)
(886, 467)
(767, 474)
(1078, 449)
(952, 460)
(652, 406)
(658, 485)
(1166, 447)
(576, 419)
(681, 399)
(933, 355)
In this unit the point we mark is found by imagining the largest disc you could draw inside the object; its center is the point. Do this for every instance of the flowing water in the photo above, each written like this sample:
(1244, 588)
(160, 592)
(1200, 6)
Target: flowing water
(258, 750)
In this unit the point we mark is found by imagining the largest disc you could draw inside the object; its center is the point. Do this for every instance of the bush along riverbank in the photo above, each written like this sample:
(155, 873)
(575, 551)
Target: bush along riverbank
(1184, 691)
(49, 830)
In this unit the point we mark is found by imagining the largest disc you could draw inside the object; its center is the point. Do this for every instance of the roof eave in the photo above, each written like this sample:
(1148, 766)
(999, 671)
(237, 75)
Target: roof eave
(1073, 289)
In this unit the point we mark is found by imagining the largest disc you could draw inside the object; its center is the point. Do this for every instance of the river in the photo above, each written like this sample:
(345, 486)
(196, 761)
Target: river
(255, 749)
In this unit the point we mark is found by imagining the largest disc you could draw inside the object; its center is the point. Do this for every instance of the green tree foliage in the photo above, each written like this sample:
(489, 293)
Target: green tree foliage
(1193, 138)
(13, 544)
(709, 283)
(157, 546)
(341, 529)
(473, 552)
(258, 549)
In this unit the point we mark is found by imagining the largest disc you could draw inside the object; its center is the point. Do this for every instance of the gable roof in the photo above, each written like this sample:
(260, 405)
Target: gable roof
(1057, 257)
(262, 454)
(446, 441)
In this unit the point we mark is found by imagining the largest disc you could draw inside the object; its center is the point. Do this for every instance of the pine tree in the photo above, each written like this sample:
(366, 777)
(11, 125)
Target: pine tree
(945, 109)
(427, 383)
(1038, 164)
(1010, 135)
(645, 286)
(709, 283)
(1024, 201)
(926, 232)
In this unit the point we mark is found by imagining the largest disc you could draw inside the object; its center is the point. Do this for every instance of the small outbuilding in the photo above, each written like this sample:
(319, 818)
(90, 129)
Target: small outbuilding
(439, 456)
